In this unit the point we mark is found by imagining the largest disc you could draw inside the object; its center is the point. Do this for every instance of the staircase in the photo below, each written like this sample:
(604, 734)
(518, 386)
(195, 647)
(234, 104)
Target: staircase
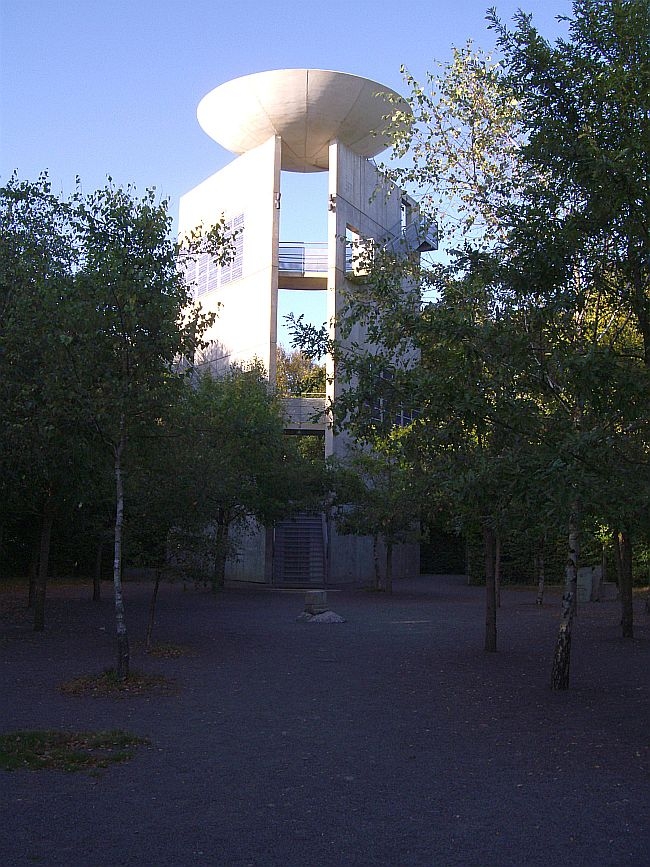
(299, 551)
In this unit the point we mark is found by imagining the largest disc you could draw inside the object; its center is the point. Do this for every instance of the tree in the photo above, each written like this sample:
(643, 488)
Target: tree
(244, 466)
(134, 318)
(376, 495)
(530, 383)
(297, 374)
(160, 495)
(586, 105)
(561, 257)
(459, 148)
(42, 452)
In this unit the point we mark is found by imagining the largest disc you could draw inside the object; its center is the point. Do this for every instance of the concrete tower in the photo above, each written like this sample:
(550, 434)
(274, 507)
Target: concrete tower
(295, 120)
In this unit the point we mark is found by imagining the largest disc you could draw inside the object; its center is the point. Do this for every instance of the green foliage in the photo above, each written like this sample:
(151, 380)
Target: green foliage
(96, 317)
(298, 375)
(99, 420)
(460, 146)
(311, 448)
(133, 310)
(38, 417)
(586, 101)
(576, 260)
(239, 443)
(377, 493)
(527, 367)
(158, 487)
(240, 464)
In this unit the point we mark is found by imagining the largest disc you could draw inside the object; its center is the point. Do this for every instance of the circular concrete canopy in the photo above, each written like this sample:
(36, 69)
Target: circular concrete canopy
(307, 108)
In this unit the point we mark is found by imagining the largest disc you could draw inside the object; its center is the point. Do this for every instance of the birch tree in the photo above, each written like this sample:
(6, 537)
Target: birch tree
(135, 318)
(586, 104)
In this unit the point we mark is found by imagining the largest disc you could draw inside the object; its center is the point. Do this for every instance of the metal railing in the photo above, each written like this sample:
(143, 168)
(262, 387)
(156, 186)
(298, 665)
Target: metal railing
(303, 257)
(306, 412)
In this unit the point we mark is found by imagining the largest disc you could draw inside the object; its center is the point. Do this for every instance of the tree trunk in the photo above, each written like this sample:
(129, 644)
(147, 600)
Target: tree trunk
(220, 550)
(625, 584)
(375, 557)
(40, 585)
(597, 578)
(489, 547)
(388, 577)
(152, 610)
(573, 558)
(540, 564)
(97, 576)
(497, 569)
(33, 571)
(122, 669)
(562, 656)
(617, 558)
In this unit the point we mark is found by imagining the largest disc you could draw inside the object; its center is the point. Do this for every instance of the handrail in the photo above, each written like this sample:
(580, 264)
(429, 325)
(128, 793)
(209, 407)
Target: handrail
(303, 257)
(303, 411)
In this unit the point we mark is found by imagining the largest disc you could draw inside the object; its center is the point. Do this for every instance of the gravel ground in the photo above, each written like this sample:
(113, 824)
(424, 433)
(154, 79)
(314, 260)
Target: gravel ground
(390, 739)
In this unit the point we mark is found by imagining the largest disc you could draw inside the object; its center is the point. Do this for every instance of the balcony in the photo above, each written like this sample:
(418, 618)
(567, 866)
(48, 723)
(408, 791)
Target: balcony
(308, 413)
(302, 265)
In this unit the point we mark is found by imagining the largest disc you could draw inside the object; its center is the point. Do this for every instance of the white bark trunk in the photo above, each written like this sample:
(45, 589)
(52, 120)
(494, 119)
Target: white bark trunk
(562, 656)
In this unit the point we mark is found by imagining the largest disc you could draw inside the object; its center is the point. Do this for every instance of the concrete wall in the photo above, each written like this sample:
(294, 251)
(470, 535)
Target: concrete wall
(250, 564)
(370, 206)
(365, 202)
(352, 560)
(246, 325)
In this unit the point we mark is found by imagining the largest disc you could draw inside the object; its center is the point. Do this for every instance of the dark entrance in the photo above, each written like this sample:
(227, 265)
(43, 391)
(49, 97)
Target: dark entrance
(299, 550)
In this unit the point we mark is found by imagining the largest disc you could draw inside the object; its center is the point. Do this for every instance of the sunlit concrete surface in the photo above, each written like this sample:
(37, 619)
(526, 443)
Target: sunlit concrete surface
(300, 120)
(307, 108)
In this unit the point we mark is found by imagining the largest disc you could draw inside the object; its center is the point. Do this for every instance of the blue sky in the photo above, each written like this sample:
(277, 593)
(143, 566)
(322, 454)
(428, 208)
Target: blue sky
(111, 87)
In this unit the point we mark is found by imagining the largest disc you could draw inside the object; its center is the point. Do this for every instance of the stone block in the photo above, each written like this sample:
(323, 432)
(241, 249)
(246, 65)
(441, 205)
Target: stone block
(315, 601)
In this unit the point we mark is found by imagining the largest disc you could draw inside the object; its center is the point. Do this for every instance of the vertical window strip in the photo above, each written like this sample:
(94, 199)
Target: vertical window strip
(205, 275)
(234, 269)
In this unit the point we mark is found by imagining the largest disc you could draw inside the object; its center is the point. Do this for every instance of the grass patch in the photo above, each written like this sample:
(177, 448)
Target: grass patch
(108, 684)
(167, 650)
(66, 751)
